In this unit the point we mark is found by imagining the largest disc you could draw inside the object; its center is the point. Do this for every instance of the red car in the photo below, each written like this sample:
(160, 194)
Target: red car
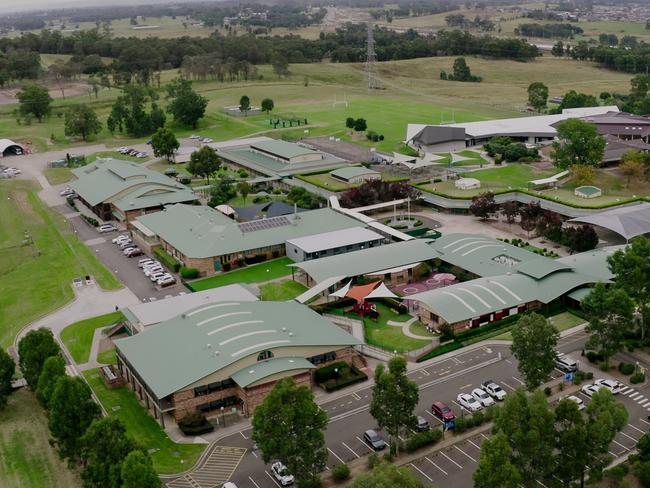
(442, 411)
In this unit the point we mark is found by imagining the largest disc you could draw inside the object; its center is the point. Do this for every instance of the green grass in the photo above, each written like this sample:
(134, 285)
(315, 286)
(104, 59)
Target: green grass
(267, 271)
(169, 457)
(109, 356)
(326, 181)
(36, 279)
(78, 337)
(57, 176)
(279, 292)
(561, 321)
(26, 458)
(418, 328)
(387, 336)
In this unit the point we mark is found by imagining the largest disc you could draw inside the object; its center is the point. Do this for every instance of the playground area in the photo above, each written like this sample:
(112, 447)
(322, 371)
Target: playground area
(433, 281)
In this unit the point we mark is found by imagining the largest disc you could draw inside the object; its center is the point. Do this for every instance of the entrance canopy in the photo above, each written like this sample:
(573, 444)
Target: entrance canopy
(628, 222)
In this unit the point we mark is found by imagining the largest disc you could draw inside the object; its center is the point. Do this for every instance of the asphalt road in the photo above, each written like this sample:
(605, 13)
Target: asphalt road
(452, 466)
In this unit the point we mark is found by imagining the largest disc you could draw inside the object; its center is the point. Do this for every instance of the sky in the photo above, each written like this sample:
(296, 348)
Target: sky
(23, 5)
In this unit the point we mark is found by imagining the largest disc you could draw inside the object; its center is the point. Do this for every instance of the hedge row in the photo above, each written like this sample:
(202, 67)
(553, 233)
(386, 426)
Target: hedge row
(92, 221)
(422, 439)
(189, 273)
(167, 259)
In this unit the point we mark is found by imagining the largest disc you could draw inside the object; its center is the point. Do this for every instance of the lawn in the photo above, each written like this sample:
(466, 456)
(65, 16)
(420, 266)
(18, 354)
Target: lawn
(326, 181)
(78, 337)
(389, 337)
(26, 458)
(36, 278)
(561, 321)
(283, 291)
(267, 271)
(122, 403)
(57, 176)
(109, 356)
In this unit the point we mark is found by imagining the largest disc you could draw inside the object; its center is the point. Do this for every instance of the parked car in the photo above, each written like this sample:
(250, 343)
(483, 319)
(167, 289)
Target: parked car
(468, 402)
(128, 249)
(153, 270)
(589, 390)
(66, 191)
(166, 281)
(442, 411)
(566, 364)
(121, 149)
(494, 390)
(422, 424)
(133, 152)
(613, 386)
(482, 397)
(281, 474)
(120, 239)
(229, 484)
(578, 401)
(106, 228)
(141, 155)
(194, 136)
(136, 251)
(374, 440)
(166, 277)
(157, 276)
(144, 261)
(124, 244)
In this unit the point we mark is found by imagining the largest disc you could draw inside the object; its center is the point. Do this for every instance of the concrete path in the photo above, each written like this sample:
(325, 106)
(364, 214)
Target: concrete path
(406, 329)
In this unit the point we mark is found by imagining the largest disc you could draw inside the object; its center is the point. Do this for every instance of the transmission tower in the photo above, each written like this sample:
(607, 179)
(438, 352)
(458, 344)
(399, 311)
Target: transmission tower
(371, 62)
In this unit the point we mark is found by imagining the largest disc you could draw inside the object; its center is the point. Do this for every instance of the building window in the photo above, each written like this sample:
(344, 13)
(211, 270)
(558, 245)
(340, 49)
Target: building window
(264, 355)
(322, 358)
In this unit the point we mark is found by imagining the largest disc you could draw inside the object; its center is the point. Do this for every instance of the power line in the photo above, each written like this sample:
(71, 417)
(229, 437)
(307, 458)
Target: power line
(371, 61)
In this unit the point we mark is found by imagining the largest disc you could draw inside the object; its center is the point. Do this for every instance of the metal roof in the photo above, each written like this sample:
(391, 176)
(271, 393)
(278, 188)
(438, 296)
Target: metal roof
(202, 232)
(352, 172)
(6, 144)
(283, 149)
(252, 374)
(628, 222)
(357, 263)
(269, 166)
(334, 239)
(187, 348)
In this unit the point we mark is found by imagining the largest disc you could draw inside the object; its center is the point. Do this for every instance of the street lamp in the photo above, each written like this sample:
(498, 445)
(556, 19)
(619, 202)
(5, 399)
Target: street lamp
(223, 416)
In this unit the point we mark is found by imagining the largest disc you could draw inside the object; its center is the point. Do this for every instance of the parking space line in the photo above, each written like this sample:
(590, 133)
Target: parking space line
(425, 372)
(357, 397)
(242, 434)
(484, 436)
(645, 421)
(335, 455)
(463, 452)
(272, 478)
(253, 453)
(508, 361)
(517, 380)
(350, 449)
(439, 420)
(628, 436)
(635, 428)
(253, 481)
(441, 470)
(477, 447)
(619, 444)
(451, 460)
(421, 472)
(506, 384)
(615, 455)
(364, 444)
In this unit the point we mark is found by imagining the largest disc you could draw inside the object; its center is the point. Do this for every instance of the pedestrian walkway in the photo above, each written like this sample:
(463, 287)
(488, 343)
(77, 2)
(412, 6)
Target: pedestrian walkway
(406, 329)
(635, 396)
(217, 469)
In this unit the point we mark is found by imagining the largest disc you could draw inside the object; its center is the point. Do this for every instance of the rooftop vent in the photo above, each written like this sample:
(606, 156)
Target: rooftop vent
(208, 346)
(290, 334)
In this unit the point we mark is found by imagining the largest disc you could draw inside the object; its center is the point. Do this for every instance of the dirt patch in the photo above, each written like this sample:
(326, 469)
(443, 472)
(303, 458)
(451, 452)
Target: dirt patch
(72, 89)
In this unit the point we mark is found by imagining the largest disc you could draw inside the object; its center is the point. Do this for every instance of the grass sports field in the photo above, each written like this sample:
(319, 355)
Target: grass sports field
(36, 277)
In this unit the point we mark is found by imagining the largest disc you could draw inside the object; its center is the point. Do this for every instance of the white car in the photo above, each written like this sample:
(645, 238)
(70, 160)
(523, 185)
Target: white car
(482, 397)
(120, 239)
(154, 269)
(229, 484)
(613, 386)
(578, 401)
(281, 474)
(145, 261)
(166, 281)
(106, 228)
(157, 276)
(141, 155)
(494, 390)
(125, 243)
(194, 136)
(589, 390)
(468, 402)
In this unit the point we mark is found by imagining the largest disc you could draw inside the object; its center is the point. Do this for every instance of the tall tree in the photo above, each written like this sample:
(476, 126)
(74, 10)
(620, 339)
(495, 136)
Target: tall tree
(571, 441)
(138, 472)
(579, 143)
(495, 468)
(631, 266)
(244, 189)
(204, 162)
(387, 475)
(72, 410)
(7, 370)
(634, 165)
(35, 101)
(537, 95)
(610, 318)
(164, 144)
(53, 369)
(394, 398)
(510, 209)
(461, 70)
(187, 106)
(129, 114)
(33, 350)
(267, 105)
(533, 344)
(244, 104)
(81, 120)
(104, 446)
(288, 426)
(483, 206)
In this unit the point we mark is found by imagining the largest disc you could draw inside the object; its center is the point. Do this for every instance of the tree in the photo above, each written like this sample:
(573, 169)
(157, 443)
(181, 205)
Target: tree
(533, 344)
(349, 123)
(510, 209)
(104, 446)
(558, 49)
(33, 350)
(7, 370)
(583, 174)
(634, 165)
(288, 426)
(461, 70)
(537, 95)
(187, 106)
(494, 467)
(483, 206)
(244, 104)
(387, 475)
(579, 143)
(244, 189)
(360, 125)
(138, 472)
(610, 318)
(129, 115)
(394, 398)
(53, 369)
(267, 105)
(72, 410)
(631, 268)
(280, 65)
(34, 101)
(164, 144)
(205, 162)
(81, 120)
(222, 191)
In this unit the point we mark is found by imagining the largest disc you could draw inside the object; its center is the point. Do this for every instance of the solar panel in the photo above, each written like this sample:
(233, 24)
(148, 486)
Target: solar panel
(263, 224)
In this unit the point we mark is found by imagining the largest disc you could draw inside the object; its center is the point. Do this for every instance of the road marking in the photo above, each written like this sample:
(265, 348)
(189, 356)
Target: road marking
(615, 455)
(350, 449)
(444, 372)
(356, 396)
(335, 455)
(468, 385)
(425, 372)
(484, 436)
(640, 399)
(645, 404)
(253, 453)
(644, 421)
(272, 478)
(508, 361)
(626, 390)
(619, 444)
(442, 470)
(253, 481)
(439, 420)
(506, 384)
(457, 361)
(242, 434)
(421, 472)
(451, 460)
(634, 396)
(628, 436)
(635, 428)
(517, 380)
(364, 444)
(459, 449)
(458, 405)
(477, 447)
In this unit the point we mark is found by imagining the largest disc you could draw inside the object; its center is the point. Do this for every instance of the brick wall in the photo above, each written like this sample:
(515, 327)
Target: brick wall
(185, 401)
(255, 395)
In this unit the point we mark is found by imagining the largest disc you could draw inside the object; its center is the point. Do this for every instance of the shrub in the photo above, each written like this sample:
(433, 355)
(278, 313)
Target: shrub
(166, 259)
(90, 220)
(561, 386)
(194, 423)
(189, 273)
(594, 357)
(547, 391)
(328, 372)
(617, 472)
(421, 439)
(373, 460)
(637, 378)
(341, 472)
(626, 368)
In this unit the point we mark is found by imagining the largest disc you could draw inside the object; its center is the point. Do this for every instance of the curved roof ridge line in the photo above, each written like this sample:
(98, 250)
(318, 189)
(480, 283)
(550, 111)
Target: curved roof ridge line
(236, 324)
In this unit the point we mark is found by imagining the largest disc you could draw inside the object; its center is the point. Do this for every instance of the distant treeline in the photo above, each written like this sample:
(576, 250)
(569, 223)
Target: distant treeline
(630, 59)
(546, 31)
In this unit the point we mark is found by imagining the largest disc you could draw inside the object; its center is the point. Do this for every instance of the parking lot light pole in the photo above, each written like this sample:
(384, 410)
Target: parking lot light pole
(223, 416)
